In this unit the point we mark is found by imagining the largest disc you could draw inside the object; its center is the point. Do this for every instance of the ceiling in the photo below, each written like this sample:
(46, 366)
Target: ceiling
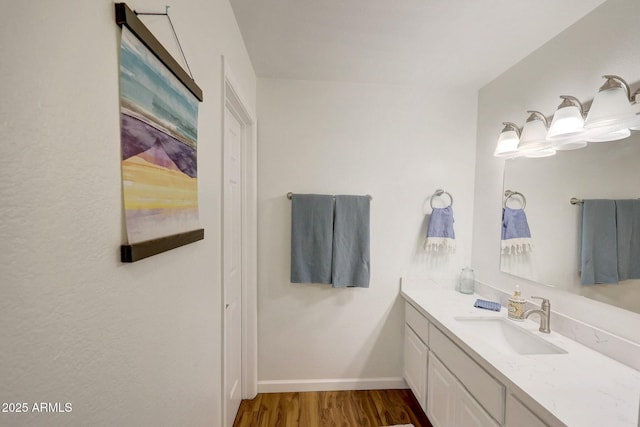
(464, 43)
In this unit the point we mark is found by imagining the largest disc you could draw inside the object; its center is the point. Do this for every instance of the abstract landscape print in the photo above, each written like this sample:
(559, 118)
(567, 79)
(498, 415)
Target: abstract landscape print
(159, 126)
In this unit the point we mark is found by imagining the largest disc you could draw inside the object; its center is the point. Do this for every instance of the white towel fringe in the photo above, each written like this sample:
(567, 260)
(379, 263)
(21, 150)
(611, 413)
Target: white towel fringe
(516, 246)
(440, 244)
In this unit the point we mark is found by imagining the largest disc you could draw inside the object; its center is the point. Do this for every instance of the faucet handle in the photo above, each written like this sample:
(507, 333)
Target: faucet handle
(545, 301)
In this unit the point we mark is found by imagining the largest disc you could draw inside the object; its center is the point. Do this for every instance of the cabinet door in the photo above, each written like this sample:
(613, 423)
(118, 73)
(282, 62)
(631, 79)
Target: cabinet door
(519, 415)
(468, 411)
(415, 365)
(441, 393)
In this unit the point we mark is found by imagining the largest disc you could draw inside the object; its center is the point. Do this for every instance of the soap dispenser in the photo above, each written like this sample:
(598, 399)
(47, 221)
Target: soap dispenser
(516, 305)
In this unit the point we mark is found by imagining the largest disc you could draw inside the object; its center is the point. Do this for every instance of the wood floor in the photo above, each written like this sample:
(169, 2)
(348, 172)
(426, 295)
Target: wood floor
(361, 408)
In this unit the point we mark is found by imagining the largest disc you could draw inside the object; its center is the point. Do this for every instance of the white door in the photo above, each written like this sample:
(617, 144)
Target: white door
(232, 260)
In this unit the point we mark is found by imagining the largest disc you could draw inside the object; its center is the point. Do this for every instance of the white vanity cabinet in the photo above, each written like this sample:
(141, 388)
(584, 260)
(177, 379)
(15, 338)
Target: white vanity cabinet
(442, 394)
(416, 352)
(472, 379)
(519, 415)
(468, 411)
(452, 389)
(449, 402)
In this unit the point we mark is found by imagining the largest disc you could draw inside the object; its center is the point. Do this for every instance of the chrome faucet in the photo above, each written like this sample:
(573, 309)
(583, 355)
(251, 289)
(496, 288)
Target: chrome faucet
(544, 312)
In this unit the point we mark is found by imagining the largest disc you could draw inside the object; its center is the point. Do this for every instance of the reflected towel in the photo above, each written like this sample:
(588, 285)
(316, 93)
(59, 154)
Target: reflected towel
(351, 241)
(311, 238)
(628, 235)
(599, 247)
(440, 234)
(516, 236)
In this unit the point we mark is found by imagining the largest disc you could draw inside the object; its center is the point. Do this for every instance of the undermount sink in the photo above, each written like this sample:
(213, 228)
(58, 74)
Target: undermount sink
(506, 337)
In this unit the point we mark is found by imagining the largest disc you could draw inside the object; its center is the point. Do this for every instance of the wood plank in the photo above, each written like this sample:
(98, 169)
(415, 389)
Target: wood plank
(270, 415)
(367, 414)
(290, 409)
(398, 407)
(310, 409)
(248, 412)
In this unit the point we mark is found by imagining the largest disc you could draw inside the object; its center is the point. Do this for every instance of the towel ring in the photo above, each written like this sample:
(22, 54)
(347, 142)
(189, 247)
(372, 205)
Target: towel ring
(440, 192)
(508, 194)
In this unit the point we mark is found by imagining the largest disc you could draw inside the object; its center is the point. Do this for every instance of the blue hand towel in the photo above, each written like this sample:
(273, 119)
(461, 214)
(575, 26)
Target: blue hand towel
(440, 234)
(516, 236)
(311, 238)
(599, 246)
(351, 239)
(628, 235)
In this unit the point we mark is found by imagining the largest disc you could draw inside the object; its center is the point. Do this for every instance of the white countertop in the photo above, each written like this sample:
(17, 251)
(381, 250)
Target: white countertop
(581, 388)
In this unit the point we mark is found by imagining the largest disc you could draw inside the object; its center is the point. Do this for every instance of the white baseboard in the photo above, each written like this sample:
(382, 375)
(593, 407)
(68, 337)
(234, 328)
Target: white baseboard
(282, 386)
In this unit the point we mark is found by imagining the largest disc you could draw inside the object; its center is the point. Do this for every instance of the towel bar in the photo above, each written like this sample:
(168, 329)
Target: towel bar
(575, 201)
(290, 195)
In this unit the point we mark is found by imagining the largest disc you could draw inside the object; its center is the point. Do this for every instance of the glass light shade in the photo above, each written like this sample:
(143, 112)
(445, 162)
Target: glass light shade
(508, 141)
(611, 109)
(507, 144)
(608, 134)
(574, 143)
(534, 137)
(567, 122)
(636, 108)
(547, 152)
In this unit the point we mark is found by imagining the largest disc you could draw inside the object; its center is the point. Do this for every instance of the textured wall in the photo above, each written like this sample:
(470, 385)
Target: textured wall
(135, 344)
(396, 143)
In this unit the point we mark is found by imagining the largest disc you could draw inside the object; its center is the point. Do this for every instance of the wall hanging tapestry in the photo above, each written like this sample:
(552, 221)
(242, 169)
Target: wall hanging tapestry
(159, 130)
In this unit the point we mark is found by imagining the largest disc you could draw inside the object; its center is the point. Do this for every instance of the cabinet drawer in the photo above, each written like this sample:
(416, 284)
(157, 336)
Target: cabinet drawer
(484, 388)
(417, 322)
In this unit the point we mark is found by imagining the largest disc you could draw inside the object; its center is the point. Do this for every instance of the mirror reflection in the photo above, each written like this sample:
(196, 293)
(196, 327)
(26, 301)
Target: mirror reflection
(608, 170)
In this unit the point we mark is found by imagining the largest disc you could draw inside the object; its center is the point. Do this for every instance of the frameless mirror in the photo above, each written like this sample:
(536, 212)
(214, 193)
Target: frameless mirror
(609, 170)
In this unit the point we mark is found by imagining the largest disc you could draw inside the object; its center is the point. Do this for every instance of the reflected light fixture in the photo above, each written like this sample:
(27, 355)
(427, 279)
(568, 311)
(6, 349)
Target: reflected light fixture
(508, 141)
(611, 113)
(567, 126)
(533, 140)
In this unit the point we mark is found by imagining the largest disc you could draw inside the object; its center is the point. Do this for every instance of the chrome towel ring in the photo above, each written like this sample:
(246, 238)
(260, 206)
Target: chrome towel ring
(508, 194)
(439, 193)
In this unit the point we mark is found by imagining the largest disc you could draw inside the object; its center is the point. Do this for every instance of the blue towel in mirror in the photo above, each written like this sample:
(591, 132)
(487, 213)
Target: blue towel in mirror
(516, 236)
(599, 246)
(628, 236)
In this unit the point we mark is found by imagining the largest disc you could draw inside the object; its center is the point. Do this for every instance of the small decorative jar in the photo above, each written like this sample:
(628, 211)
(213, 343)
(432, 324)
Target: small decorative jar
(466, 283)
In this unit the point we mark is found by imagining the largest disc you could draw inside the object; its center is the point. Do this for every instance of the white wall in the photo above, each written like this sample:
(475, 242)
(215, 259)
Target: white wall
(126, 344)
(604, 42)
(396, 143)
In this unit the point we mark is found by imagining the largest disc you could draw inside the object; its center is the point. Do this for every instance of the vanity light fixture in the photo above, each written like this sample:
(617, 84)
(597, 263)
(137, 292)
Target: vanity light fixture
(567, 126)
(533, 140)
(611, 113)
(508, 141)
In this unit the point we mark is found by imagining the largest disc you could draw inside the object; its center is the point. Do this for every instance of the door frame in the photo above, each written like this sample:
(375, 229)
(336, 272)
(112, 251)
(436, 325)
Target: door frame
(233, 100)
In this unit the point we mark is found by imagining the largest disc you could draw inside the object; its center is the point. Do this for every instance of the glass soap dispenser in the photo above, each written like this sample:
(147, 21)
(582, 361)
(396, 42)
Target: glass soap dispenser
(466, 282)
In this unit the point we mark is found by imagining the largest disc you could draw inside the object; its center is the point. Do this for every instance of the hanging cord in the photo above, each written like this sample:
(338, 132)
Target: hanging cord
(166, 13)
